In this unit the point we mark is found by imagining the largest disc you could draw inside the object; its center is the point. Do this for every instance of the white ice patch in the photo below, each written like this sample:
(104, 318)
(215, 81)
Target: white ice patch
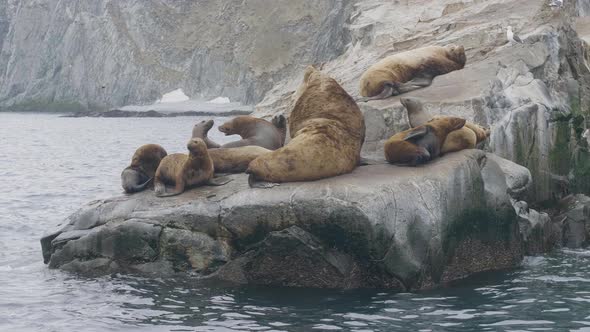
(219, 100)
(175, 96)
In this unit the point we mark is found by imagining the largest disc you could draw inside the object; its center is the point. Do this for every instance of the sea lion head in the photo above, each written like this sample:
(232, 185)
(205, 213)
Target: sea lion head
(228, 128)
(240, 125)
(196, 146)
(202, 128)
(456, 53)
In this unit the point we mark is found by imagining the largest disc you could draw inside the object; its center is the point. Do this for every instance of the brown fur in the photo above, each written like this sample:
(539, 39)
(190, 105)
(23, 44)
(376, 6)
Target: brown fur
(423, 148)
(465, 138)
(144, 163)
(427, 63)
(235, 160)
(280, 121)
(253, 131)
(327, 130)
(184, 171)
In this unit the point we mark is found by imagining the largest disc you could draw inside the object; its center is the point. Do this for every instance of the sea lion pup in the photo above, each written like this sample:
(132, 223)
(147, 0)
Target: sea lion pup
(410, 70)
(421, 144)
(182, 171)
(465, 138)
(201, 129)
(254, 131)
(327, 131)
(137, 176)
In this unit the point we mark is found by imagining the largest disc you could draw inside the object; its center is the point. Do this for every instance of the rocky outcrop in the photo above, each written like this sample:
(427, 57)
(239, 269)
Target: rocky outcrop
(405, 228)
(573, 217)
(98, 54)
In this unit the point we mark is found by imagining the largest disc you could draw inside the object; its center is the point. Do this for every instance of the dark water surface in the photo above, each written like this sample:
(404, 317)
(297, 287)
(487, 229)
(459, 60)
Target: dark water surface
(49, 166)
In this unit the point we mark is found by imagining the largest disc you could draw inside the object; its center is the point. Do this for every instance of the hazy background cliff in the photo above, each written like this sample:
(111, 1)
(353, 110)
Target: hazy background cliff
(98, 54)
(104, 53)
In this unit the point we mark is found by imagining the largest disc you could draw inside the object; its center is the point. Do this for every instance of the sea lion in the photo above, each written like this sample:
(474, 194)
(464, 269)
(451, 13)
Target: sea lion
(465, 138)
(201, 129)
(254, 131)
(229, 160)
(235, 160)
(327, 131)
(184, 171)
(137, 176)
(420, 144)
(410, 70)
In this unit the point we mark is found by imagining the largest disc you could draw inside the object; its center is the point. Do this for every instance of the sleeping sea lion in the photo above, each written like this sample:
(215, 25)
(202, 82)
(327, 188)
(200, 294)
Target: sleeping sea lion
(185, 171)
(465, 138)
(410, 70)
(137, 176)
(421, 144)
(327, 131)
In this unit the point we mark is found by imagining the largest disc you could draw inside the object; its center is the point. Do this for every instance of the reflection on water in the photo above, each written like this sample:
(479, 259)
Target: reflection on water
(51, 165)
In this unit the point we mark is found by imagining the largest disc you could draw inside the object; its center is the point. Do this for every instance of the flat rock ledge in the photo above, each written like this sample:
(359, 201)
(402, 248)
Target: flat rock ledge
(403, 228)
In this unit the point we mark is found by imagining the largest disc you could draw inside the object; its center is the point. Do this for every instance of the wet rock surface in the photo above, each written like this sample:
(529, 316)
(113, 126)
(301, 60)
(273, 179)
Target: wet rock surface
(404, 228)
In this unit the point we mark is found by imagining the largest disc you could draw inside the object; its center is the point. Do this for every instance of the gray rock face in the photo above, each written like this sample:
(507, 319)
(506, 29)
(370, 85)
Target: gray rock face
(574, 218)
(381, 226)
(99, 54)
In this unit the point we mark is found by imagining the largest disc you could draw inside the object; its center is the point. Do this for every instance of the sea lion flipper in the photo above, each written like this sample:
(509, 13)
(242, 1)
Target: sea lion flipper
(416, 133)
(389, 89)
(260, 184)
(142, 186)
(178, 189)
(219, 181)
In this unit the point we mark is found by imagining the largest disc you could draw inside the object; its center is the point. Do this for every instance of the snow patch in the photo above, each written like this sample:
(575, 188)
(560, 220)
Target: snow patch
(219, 100)
(175, 96)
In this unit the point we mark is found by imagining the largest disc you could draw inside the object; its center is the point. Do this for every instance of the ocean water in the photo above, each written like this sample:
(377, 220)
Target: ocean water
(50, 166)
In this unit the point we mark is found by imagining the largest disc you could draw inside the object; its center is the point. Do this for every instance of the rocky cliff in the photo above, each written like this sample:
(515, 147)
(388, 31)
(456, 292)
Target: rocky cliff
(534, 95)
(89, 54)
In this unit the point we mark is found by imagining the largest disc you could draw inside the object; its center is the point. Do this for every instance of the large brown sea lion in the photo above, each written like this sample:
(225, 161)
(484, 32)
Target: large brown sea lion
(327, 131)
(410, 70)
(184, 171)
(137, 176)
(421, 144)
(465, 138)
